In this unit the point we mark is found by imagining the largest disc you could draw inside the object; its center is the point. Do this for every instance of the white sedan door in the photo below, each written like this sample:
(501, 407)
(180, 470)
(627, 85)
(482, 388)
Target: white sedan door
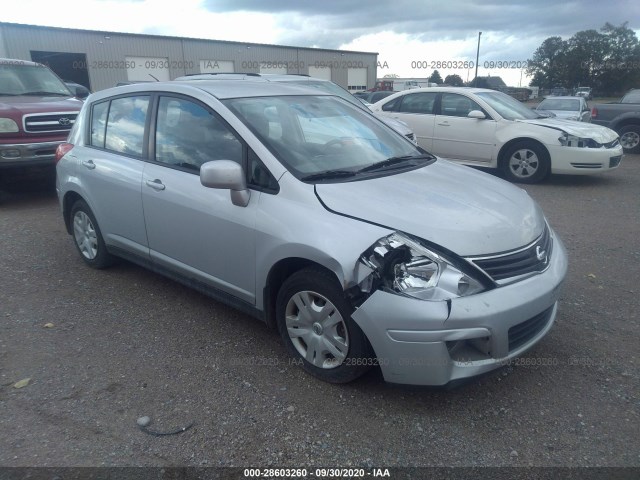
(458, 137)
(416, 110)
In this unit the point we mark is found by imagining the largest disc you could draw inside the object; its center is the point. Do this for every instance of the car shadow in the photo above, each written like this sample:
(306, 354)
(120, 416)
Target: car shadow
(25, 187)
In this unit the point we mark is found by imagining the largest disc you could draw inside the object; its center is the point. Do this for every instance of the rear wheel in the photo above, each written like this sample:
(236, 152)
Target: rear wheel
(526, 162)
(314, 321)
(87, 236)
(630, 138)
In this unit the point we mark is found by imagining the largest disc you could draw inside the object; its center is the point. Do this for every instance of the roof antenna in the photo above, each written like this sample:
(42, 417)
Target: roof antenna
(154, 78)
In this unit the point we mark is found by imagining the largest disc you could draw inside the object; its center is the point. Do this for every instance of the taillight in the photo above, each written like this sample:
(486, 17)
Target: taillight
(594, 112)
(62, 150)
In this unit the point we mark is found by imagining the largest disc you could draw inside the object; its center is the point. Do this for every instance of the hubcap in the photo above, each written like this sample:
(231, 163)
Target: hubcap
(85, 235)
(629, 140)
(316, 329)
(524, 163)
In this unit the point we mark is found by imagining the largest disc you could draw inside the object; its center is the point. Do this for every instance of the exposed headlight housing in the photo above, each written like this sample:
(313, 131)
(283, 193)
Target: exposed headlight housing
(567, 140)
(7, 125)
(401, 265)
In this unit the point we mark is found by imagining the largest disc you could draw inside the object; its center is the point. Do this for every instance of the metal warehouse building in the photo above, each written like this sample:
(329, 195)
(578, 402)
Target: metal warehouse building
(101, 60)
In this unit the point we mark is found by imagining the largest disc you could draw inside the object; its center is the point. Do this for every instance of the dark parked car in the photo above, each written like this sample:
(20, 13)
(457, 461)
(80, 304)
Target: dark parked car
(373, 97)
(623, 117)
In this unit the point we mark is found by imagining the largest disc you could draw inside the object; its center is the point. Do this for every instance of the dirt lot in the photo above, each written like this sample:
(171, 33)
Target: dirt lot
(103, 348)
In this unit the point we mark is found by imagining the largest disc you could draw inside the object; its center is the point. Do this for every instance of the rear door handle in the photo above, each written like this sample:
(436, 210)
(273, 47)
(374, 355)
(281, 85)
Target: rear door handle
(89, 164)
(155, 184)
(445, 124)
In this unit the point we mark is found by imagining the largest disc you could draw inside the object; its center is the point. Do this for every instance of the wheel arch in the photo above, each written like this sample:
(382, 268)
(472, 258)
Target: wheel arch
(278, 273)
(505, 148)
(70, 198)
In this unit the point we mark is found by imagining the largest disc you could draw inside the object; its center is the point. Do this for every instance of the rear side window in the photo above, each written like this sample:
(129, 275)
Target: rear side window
(188, 135)
(99, 123)
(418, 103)
(125, 125)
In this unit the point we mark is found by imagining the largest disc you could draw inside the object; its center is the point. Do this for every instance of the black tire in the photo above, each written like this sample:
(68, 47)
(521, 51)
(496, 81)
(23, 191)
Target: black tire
(314, 286)
(630, 138)
(534, 165)
(87, 236)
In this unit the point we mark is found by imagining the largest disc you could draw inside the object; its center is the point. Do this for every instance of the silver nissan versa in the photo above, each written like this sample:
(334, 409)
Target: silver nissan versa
(300, 208)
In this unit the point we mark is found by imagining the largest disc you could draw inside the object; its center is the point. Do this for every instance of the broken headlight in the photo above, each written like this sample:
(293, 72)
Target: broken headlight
(567, 140)
(402, 265)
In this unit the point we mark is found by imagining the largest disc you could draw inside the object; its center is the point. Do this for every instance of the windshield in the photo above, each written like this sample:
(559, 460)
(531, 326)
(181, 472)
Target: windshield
(17, 79)
(507, 107)
(312, 135)
(330, 87)
(567, 105)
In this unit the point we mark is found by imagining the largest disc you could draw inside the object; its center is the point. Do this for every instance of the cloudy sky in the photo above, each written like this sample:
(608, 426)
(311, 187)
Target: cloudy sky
(401, 31)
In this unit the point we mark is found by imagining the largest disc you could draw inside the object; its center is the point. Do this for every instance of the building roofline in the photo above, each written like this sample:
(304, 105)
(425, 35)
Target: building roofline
(170, 37)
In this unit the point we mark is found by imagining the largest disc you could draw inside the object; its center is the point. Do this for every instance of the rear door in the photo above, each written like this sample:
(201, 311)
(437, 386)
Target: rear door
(110, 170)
(193, 230)
(458, 137)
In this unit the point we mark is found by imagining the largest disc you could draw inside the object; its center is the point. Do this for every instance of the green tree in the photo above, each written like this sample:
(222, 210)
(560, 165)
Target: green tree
(548, 62)
(435, 77)
(453, 80)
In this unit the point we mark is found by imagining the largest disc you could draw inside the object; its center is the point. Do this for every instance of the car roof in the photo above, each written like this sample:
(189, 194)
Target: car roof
(264, 77)
(221, 89)
(564, 97)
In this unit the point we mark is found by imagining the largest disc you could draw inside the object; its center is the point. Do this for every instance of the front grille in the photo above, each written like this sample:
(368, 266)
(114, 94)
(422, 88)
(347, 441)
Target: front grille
(525, 331)
(49, 122)
(615, 161)
(532, 258)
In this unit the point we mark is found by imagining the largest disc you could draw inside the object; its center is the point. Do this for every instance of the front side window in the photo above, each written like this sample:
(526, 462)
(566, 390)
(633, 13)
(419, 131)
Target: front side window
(455, 105)
(125, 125)
(188, 135)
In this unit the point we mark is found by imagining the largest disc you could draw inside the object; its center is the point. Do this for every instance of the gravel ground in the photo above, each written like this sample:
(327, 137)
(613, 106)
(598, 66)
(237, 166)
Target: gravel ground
(103, 348)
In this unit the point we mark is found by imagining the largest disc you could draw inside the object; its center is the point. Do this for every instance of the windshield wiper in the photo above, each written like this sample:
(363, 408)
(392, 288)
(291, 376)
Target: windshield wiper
(327, 174)
(394, 161)
(47, 93)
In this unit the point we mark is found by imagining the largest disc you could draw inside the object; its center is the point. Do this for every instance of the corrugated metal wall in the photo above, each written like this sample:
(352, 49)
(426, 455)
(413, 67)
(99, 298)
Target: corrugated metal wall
(106, 52)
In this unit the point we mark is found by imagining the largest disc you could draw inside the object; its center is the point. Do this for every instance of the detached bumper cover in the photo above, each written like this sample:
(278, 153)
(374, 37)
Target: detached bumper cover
(432, 343)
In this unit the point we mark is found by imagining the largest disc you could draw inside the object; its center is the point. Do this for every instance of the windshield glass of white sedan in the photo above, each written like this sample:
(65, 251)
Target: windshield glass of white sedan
(508, 107)
(312, 134)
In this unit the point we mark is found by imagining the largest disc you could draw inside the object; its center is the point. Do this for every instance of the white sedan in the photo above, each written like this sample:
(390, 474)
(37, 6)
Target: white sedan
(485, 128)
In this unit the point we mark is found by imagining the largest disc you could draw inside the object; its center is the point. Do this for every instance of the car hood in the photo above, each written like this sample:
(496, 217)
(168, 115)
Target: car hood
(580, 129)
(22, 105)
(464, 210)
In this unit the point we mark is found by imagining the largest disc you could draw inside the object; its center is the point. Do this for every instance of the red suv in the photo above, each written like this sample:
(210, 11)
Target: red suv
(37, 111)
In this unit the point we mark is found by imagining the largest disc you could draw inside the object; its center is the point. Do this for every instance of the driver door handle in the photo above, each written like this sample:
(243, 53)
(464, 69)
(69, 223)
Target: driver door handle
(445, 124)
(155, 184)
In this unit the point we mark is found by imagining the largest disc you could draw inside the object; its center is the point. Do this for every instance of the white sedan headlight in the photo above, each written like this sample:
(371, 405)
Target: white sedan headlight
(567, 140)
(8, 126)
(401, 265)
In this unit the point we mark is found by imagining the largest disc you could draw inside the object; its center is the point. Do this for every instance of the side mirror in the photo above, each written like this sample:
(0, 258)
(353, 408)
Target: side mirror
(82, 93)
(226, 174)
(476, 114)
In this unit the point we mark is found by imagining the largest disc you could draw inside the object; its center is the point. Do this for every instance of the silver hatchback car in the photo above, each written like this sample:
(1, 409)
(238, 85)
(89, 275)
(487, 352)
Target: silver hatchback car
(302, 209)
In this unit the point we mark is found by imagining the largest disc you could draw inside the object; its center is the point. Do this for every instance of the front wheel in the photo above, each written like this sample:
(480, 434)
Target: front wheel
(526, 162)
(630, 138)
(314, 321)
(87, 236)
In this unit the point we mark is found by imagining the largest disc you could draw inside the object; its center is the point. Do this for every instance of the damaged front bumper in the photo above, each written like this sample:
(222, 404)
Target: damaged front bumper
(422, 342)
